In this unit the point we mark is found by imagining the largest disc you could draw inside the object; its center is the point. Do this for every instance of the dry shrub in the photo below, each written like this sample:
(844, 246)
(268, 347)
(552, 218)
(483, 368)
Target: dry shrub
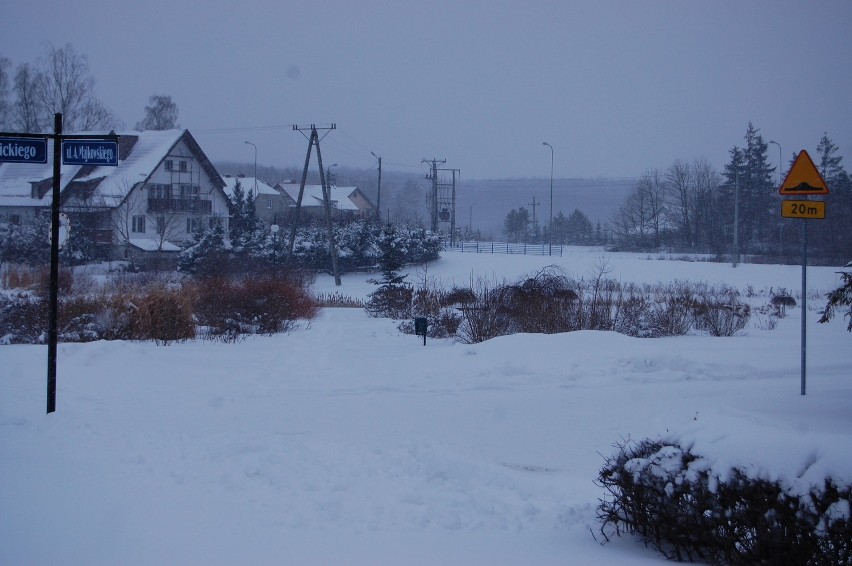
(164, 316)
(391, 301)
(18, 276)
(336, 300)
(229, 309)
(721, 313)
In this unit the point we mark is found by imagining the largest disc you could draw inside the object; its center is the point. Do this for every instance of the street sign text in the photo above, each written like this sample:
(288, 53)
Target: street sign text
(813, 209)
(23, 150)
(90, 152)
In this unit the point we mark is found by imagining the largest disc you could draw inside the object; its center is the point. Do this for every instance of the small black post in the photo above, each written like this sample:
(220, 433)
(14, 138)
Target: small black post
(52, 333)
(421, 326)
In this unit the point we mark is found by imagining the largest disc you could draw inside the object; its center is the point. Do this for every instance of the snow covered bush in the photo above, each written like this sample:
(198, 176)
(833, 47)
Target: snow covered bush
(23, 318)
(672, 499)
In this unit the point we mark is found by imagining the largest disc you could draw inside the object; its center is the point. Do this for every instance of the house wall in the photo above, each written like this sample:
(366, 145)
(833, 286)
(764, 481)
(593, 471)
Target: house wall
(175, 200)
(272, 209)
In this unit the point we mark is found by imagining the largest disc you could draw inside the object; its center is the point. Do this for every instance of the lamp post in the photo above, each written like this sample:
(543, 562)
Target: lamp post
(379, 194)
(780, 164)
(550, 224)
(780, 224)
(255, 167)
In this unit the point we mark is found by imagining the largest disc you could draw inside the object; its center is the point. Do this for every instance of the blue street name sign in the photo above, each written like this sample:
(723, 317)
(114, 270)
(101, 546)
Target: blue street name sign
(90, 152)
(23, 150)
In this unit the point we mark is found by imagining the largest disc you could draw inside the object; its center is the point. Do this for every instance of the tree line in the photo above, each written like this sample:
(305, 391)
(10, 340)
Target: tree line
(690, 207)
(574, 229)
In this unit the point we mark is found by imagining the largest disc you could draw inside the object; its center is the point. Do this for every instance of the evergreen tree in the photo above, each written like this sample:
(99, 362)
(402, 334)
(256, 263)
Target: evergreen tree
(579, 228)
(516, 225)
(840, 298)
(245, 230)
(832, 235)
(393, 298)
(392, 253)
(761, 193)
(208, 257)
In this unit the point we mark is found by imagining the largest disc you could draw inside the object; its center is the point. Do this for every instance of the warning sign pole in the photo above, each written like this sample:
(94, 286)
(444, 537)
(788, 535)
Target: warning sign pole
(804, 304)
(803, 180)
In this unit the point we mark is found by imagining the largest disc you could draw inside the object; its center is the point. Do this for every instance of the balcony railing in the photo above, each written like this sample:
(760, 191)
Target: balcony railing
(187, 205)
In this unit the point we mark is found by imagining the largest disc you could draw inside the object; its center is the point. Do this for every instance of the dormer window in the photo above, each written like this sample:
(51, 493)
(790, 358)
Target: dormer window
(177, 165)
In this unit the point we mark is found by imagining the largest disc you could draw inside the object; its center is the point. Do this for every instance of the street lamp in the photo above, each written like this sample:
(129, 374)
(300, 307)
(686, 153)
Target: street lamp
(780, 157)
(379, 194)
(550, 225)
(780, 224)
(255, 167)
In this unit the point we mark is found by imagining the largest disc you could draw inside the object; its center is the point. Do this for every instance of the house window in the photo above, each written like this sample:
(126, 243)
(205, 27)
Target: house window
(179, 166)
(189, 191)
(138, 224)
(213, 222)
(192, 225)
(159, 191)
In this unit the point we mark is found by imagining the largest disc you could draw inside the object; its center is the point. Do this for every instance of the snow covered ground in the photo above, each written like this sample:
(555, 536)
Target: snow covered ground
(346, 442)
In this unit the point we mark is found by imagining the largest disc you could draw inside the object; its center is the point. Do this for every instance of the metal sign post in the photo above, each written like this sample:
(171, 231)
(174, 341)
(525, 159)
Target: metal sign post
(82, 150)
(803, 180)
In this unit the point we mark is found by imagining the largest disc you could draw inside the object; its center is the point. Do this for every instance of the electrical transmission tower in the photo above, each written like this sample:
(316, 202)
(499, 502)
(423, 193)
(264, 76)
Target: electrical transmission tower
(433, 195)
(314, 140)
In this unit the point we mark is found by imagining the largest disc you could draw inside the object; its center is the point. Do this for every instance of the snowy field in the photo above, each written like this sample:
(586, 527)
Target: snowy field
(346, 442)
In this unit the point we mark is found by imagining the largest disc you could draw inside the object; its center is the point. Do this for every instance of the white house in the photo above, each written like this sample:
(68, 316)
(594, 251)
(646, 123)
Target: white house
(344, 200)
(270, 204)
(163, 189)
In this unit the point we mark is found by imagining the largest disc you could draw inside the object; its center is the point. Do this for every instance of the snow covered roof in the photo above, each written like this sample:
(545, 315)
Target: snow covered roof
(247, 183)
(313, 195)
(139, 155)
(151, 245)
(16, 180)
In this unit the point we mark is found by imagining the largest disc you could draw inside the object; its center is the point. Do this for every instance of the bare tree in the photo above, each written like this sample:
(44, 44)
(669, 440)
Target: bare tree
(132, 205)
(681, 195)
(162, 114)
(28, 114)
(5, 107)
(65, 85)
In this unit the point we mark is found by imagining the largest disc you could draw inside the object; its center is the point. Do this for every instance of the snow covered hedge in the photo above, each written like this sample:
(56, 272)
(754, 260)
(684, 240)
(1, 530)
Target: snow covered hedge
(673, 500)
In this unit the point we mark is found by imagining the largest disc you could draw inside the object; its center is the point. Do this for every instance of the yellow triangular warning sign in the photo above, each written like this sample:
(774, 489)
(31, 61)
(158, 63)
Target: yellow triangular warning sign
(803, 178)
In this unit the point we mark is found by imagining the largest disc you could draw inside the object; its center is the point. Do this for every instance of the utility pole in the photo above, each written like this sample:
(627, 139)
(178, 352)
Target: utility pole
(433, 176)
(314, 139)
(534, 204)
(736, 259)
(451, 203)
(379, 193)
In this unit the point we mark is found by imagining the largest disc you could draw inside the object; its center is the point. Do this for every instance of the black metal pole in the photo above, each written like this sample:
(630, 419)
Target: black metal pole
(52, 334)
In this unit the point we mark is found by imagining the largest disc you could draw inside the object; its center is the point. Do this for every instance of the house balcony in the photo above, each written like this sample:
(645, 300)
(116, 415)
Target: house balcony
(185, 205)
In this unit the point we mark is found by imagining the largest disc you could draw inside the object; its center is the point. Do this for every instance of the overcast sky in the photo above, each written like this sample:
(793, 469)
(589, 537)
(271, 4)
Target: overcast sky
(617, 87)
